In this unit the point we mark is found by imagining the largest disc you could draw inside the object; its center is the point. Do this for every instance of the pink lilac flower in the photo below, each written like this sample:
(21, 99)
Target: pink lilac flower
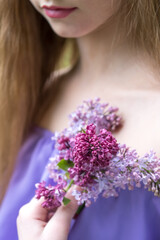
(91, 153)
(64, 148)
(53, 195)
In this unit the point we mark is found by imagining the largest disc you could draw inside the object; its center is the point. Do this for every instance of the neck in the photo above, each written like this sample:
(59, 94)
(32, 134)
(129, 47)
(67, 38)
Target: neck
(101, 49)
(107, 53)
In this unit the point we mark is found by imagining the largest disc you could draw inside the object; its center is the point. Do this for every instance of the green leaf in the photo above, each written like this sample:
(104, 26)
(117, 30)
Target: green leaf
(65, 164)
(66, 201)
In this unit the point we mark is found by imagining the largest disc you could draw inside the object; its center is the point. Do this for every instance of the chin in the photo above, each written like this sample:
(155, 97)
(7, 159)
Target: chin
(65, 34)
(68, 32)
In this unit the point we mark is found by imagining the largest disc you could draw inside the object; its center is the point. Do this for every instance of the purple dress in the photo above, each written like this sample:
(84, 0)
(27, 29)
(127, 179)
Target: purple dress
(134, 215)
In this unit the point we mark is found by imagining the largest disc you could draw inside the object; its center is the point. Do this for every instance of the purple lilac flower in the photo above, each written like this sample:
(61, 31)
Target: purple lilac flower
(92, 111)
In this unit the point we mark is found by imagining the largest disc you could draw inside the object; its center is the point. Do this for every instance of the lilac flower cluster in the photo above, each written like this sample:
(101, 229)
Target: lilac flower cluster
(53, 195)
(92, 111)
(91, 154)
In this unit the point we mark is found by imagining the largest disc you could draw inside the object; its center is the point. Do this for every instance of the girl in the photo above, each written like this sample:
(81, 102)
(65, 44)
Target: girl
(116, 56)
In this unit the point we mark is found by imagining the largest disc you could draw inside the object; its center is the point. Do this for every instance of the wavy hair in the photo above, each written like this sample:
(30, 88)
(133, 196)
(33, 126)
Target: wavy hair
(26, 41)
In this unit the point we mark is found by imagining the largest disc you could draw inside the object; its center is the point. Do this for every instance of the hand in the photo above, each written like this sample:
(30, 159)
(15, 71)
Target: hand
(35, 223)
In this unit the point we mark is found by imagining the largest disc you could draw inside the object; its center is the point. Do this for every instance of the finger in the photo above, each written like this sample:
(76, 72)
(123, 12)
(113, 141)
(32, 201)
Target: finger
(34, 210)
(31, 220)
(50, 215)
(60, 222)
(67, 212)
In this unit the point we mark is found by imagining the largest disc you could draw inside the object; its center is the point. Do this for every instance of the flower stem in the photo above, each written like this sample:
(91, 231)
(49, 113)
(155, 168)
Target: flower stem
(70, 184)
(80, 208)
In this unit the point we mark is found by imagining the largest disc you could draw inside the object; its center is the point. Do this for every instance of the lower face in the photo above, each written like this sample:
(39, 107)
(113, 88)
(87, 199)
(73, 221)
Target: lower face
(87, 16)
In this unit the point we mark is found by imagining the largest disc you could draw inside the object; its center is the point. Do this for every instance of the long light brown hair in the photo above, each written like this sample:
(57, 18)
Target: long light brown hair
(26, 62)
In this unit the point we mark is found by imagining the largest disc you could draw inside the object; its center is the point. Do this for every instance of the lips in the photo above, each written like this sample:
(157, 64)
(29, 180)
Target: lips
(57, 11)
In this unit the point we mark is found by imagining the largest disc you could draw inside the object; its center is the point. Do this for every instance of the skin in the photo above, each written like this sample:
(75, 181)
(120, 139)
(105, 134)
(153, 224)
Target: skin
(109, 68)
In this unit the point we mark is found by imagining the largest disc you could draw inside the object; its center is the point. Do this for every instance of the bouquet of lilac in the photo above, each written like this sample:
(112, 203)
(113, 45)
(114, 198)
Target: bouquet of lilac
(90, 157)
